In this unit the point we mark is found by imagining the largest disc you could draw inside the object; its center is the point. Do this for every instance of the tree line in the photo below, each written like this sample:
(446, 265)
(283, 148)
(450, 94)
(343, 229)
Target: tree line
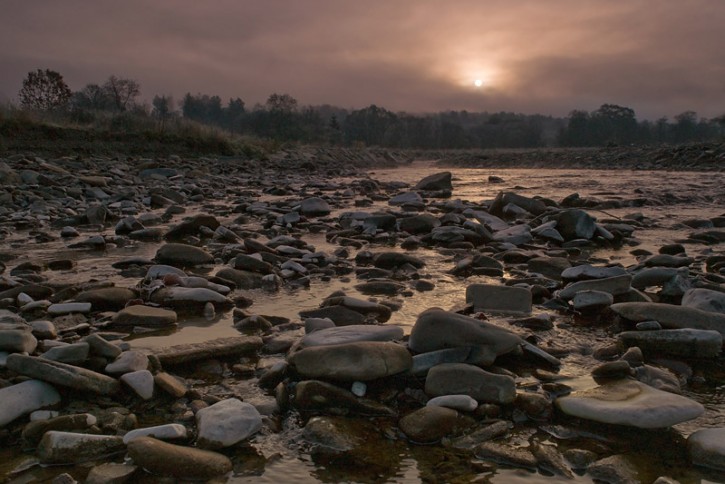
(282, 118)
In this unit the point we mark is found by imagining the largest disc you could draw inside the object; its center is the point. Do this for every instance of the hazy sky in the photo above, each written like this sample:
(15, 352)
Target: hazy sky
(660, 57)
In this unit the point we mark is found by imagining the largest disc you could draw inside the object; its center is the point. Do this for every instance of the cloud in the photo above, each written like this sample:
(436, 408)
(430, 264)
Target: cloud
(657, 57)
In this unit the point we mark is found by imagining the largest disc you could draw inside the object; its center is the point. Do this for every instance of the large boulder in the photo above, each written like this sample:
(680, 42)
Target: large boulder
(314, 206)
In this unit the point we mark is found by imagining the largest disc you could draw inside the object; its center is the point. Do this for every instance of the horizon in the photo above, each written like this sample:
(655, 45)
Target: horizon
(525, 57)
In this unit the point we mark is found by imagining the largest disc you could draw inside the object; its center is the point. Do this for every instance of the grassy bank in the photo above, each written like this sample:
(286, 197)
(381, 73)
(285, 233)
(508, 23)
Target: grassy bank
(58, 134)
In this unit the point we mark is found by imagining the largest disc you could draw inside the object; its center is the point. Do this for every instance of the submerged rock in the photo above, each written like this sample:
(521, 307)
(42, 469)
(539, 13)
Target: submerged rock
(169, 460)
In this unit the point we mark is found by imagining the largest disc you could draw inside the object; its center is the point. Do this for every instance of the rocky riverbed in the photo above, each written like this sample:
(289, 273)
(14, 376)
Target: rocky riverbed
(311, 320)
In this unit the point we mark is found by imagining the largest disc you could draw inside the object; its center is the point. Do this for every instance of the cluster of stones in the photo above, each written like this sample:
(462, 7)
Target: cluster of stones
(452, 381)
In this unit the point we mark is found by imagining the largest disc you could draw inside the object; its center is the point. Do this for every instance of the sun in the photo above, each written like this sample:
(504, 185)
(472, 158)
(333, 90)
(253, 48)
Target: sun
(478, 83)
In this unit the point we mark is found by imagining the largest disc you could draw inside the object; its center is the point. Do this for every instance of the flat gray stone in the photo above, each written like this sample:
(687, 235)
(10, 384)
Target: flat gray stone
(631, 403)
(216, 348)
(704, 299)
(463, 379)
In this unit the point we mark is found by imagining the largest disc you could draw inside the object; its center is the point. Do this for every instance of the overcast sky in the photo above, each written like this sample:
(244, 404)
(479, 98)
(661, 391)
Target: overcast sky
(659, 57)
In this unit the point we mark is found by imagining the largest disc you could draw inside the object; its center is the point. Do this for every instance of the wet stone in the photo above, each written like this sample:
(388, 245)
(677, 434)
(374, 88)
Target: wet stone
(169, 460)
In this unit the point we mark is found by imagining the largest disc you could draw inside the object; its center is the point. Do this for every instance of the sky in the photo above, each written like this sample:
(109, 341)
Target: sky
(659, 57)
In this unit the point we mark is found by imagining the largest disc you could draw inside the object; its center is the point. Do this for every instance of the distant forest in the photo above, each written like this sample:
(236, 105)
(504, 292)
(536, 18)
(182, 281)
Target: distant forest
(282, 119)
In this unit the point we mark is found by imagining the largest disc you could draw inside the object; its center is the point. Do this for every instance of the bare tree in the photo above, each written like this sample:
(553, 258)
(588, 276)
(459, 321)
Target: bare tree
(44, 90)
(122, 91)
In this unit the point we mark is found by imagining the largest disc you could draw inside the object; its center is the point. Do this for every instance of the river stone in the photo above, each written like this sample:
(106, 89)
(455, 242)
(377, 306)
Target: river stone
(158, 271)
(340, 315)
(531, 205)
(688, 343)
(587, 271)
(141, 382)
(436, 329)
(668, 260)
(335, 435)
(216, 348)
(101, 347)
(107, 298)
(707, 448)
(18, 340)
(226, 422)
(182, 255)
(456, 402)
(188, 297)
(34, 431)
(506, 454)
(111, 473)
(704, 299)
(43, 329)
(169, 460)
(244, 262)
(671, 316)
(614, 469)
(68, 308)
(171, 384)
(351, 334)
(490, 297)
(613, 285)
(654, 276)
(425, 361)
(418, 224)
(464, 379)
(391, 260)
(242, 279)
(127, 362)
(63, 374)
(314, 207)
(23, 398)
(591, 300)
(73, 354)
(363, 361)
(382, 313)
(161, 432)
(516, 235)
(407, 198)
(146, 316)
(191, 226)
(629, 402)
(430, 424)
(318, 396)
(575, 224)
(551, 267)
(435, 182)
(58, 447)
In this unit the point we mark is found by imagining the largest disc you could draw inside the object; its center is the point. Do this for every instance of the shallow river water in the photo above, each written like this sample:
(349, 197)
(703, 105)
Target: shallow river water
(670, 198)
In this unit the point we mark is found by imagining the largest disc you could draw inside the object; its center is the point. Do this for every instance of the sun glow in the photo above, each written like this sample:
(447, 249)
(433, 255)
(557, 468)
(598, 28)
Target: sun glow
(478, 82)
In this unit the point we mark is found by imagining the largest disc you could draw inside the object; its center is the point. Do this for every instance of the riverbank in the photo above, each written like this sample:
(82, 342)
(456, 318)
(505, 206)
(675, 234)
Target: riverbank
(295, 297)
